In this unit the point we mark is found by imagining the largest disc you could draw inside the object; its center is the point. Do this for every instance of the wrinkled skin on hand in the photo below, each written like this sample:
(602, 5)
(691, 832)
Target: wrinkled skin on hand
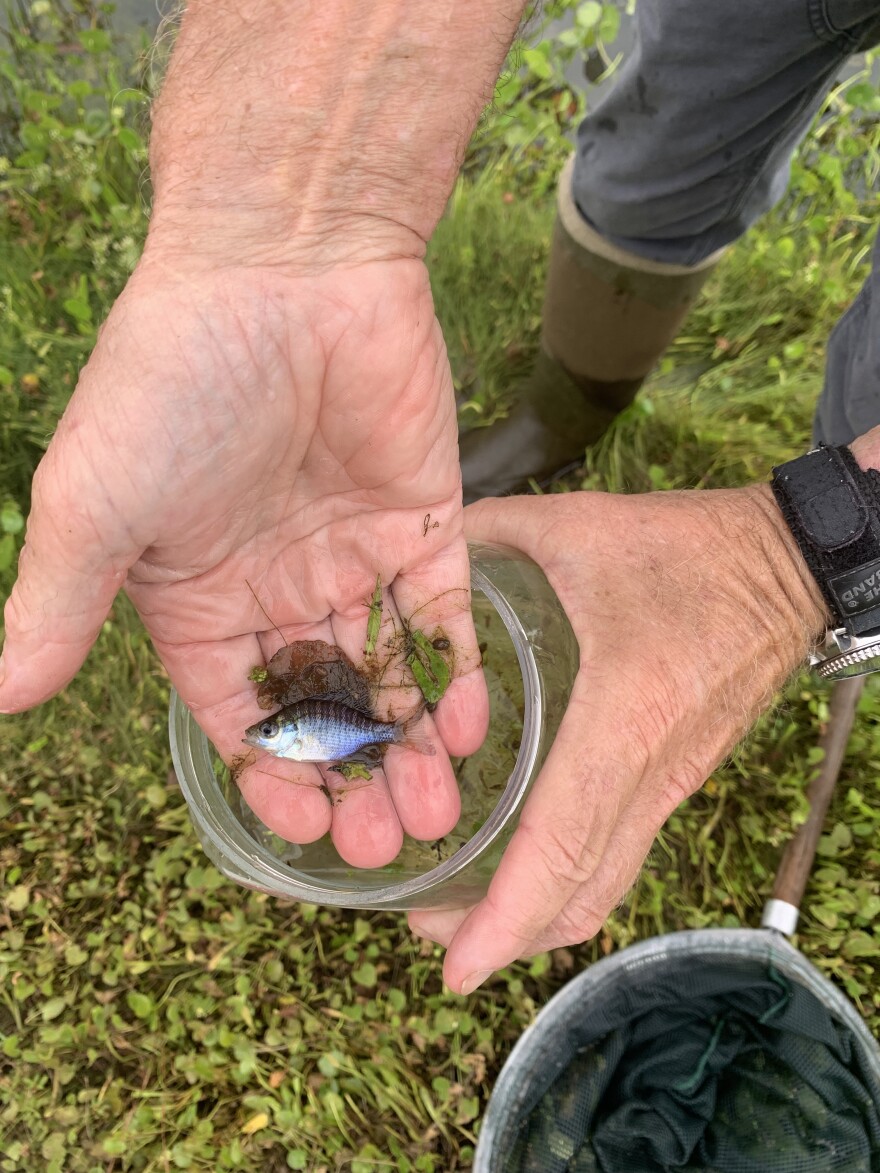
(690, 609)
(243, 425)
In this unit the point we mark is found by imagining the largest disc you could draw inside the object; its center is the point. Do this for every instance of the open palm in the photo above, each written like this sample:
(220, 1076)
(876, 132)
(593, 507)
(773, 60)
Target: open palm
(244, 428)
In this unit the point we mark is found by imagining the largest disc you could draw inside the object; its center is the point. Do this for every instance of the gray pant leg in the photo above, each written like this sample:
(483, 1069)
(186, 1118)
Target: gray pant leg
(849, 404)
(694, 143)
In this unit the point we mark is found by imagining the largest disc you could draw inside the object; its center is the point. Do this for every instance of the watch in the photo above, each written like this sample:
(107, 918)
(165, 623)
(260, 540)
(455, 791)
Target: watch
(832, 508)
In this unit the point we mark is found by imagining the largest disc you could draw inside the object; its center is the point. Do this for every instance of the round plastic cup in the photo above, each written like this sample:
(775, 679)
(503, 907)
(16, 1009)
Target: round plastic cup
(531, 659)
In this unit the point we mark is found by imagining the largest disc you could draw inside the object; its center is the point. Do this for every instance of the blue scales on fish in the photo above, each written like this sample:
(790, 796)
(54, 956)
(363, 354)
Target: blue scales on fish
(326, 731)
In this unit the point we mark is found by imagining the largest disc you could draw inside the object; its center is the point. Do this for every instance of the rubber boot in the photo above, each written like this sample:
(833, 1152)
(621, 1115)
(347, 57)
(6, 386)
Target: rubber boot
(608, 317)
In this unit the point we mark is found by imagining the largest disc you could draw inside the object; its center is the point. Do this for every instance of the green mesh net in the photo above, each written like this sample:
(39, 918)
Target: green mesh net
(713, 1052)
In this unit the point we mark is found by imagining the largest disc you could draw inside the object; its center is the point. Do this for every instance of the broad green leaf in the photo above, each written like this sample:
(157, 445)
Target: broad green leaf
(139, 1004)
(609, 26)
(94, 40)
(588, 14)
(78, 309)
(11, 1046)
(18, 897)
(52, 1009)
(130, 139)
(365, 975)
(430, 670)
(74, 955)
(537, 63)
(861, 94)
(838, 840)
(11, 520)
(7, 551)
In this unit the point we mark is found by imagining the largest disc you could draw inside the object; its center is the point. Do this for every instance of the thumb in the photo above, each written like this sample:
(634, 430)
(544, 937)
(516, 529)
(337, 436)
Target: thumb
(526, 523)
(68, 577)
(498, 518)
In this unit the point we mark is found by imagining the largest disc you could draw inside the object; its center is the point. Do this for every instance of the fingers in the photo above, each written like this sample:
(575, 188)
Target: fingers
(293, 804)
(434, 598)
(70, 570)
(366, 829)
(421, 787)
(519, 522)
(562, 836)
(591, 903)
(587, 905)
(437, 924)
(462, 717)
(424, 789)
(298, 801)
(212, 680)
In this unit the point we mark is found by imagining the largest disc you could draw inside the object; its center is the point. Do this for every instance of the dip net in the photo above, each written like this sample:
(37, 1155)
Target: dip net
(720, 1051)
(717, 1051)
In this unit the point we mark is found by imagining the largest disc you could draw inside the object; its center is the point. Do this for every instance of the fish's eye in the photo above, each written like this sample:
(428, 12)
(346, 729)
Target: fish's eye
(269, 728)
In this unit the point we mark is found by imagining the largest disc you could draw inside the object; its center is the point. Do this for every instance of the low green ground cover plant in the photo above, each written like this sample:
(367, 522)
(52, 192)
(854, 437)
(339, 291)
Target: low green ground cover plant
(154, 1016)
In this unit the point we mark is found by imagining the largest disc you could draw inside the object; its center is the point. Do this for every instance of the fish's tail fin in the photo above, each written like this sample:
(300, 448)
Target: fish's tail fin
(409, 737)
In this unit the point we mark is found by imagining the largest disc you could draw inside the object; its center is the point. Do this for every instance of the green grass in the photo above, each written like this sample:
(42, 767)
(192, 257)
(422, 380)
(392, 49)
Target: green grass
(154, 1016)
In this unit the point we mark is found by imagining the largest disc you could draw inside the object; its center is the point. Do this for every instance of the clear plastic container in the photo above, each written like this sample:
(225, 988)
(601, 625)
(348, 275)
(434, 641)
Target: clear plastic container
(530, 659)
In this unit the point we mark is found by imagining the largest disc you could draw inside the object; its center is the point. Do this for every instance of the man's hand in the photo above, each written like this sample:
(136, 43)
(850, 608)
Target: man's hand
(270, 401)
(242, 426)
(690, 609)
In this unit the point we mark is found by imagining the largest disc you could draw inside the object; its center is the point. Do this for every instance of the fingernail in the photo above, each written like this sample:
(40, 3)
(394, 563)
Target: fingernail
(473, 980)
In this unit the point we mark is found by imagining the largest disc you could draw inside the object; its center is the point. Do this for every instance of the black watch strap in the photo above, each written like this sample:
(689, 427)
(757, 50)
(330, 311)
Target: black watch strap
(832, 508)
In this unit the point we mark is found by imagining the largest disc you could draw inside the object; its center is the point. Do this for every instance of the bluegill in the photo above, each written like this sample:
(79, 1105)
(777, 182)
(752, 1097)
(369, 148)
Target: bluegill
(326, 731)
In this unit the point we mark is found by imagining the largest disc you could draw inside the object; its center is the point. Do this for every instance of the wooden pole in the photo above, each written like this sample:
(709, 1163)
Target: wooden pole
(797, 860)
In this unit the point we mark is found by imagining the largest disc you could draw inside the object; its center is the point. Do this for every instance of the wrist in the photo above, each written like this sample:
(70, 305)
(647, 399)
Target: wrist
(829, 500)
(343, 153)
(213, 234)
(779, 578)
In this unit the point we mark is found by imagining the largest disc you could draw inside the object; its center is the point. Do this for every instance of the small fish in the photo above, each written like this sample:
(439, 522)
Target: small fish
(325, 731)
